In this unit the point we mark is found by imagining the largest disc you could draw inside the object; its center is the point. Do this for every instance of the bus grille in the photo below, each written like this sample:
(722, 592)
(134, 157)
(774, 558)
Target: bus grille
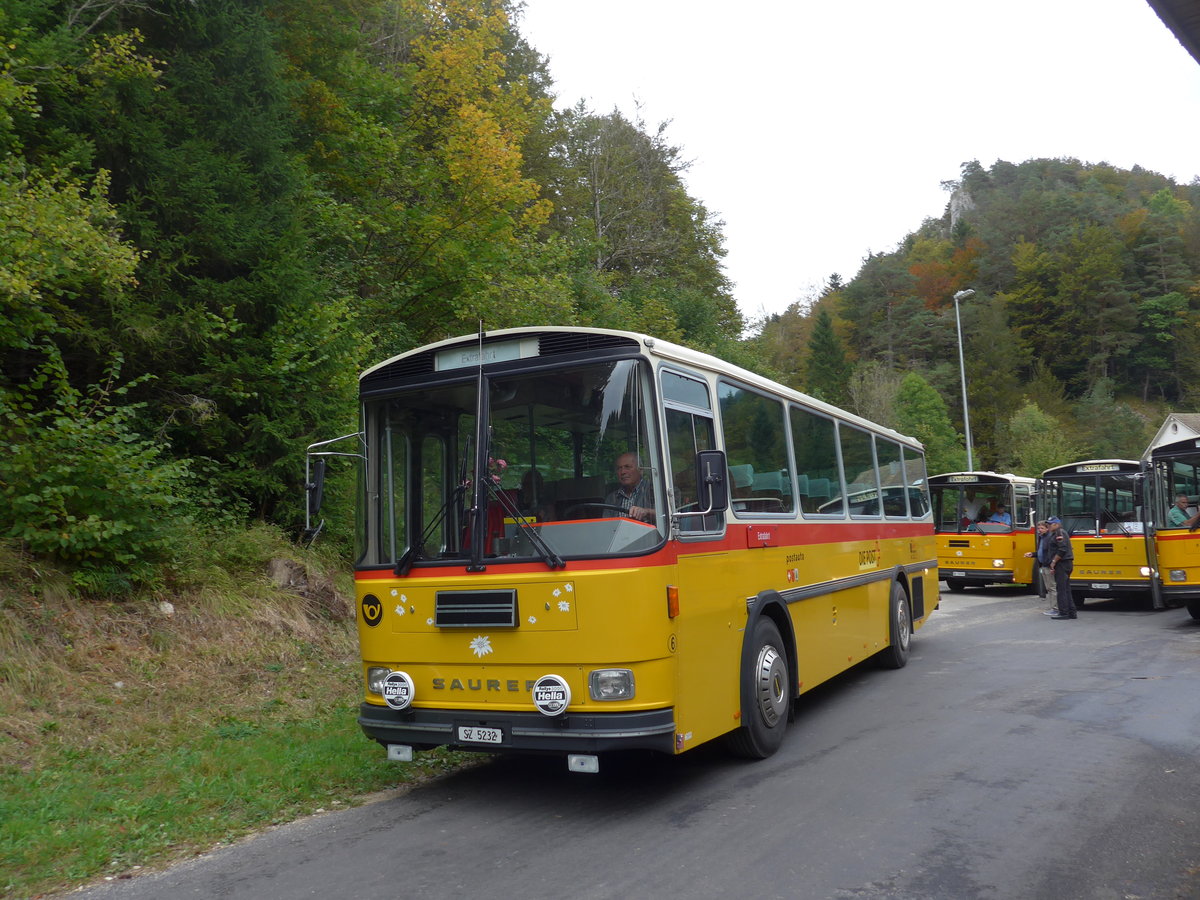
(476, 609)
(1098, 548)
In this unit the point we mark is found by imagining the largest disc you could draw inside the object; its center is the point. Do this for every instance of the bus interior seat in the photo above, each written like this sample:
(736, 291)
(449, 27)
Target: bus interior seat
(567, 493)
(741, 478)
(768, 484)
(818, 488)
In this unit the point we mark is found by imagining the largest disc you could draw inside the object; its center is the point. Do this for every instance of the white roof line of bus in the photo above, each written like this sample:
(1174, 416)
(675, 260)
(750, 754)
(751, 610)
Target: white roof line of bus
(986, 472)
(667, 350)
(1092, 462)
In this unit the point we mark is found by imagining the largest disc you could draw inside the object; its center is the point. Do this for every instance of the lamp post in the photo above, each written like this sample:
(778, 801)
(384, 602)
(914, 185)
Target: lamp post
(963, 295)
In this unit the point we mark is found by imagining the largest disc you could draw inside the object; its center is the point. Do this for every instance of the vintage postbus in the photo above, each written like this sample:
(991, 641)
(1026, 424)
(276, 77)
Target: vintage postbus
(578, 540)
(1100, 502)
(984, 526)
(1172, 467)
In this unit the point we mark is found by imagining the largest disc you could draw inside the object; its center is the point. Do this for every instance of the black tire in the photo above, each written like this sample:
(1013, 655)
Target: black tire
(895, 655)
(769, 684)
(957, 585)
(1194, 609)
(1077, 598)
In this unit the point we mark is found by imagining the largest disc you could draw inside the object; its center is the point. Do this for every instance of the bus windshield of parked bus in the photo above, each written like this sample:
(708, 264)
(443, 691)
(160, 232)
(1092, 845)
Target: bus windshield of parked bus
(1095, 497)
(979, 502)
(559, 452)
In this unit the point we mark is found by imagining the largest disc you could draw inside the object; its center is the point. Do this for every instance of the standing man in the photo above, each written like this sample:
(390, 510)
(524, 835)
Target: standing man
(1044, 554)
(1061, 563)
(633, 496)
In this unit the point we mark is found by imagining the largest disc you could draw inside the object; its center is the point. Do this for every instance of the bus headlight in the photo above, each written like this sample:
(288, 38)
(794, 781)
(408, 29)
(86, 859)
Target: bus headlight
(375, 676)
(1145, 571)
(997, 564)
(1179, 574)
(611, 684)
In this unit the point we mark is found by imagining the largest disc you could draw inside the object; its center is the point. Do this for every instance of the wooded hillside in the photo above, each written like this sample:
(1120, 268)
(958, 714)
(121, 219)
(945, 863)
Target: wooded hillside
(214, 215)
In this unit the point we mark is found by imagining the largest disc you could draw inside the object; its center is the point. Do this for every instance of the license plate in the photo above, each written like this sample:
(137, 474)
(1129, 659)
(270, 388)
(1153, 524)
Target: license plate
(477, 735)
(1099, 587)
(957, 574)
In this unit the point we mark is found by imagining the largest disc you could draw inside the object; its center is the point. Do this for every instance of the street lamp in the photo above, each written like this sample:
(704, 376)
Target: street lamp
(963, 295)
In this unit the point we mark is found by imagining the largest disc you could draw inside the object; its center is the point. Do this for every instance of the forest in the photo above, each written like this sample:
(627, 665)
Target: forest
(214, 215)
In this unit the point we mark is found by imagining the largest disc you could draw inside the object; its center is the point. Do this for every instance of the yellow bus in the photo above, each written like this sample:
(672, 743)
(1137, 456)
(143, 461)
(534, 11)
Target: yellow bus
(1100, 502)
(1173, 469)
(975, 545)
(574, 541)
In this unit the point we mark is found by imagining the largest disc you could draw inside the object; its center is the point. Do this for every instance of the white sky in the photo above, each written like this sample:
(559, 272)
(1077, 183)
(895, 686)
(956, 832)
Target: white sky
(821, 130)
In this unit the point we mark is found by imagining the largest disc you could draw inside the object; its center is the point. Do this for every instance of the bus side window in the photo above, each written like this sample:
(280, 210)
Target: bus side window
(814, 451)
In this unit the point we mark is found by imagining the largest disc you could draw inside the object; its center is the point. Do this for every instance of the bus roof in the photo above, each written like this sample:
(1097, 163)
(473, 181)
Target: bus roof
(654, 347)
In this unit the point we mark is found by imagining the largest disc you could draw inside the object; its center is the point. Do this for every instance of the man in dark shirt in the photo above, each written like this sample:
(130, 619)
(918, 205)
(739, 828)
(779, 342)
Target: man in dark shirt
(1061, 563)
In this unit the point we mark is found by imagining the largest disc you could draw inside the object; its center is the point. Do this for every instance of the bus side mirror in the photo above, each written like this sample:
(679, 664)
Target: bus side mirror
(316, 488)
(712, 481)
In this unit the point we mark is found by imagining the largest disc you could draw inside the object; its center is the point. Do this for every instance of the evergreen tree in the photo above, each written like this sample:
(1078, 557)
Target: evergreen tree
(827, 371)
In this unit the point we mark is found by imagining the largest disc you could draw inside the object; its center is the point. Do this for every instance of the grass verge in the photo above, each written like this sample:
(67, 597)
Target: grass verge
(146, 730)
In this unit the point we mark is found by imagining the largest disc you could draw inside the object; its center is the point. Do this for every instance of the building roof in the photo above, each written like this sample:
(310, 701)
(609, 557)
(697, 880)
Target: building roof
(1177, 427)
(1183, 18)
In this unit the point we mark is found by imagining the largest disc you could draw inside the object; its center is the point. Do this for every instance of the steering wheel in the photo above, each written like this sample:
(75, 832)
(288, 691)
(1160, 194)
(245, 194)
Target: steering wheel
(570, 510)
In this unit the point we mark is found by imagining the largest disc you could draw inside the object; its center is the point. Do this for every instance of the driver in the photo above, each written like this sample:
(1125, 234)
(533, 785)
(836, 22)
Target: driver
(633, 495)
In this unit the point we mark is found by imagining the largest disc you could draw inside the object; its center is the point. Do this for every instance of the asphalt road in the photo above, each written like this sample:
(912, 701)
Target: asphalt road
(1014, 757)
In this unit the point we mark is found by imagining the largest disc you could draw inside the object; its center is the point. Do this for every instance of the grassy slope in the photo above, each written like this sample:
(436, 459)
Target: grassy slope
(136, 732)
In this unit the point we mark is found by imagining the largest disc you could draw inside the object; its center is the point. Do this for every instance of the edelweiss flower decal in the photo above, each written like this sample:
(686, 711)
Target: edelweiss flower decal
(481, 646)
(564, 605)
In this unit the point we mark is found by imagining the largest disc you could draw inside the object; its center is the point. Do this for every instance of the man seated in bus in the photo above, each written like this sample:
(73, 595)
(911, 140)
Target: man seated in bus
(1177, 516)
(1000, 516)
(634, 495)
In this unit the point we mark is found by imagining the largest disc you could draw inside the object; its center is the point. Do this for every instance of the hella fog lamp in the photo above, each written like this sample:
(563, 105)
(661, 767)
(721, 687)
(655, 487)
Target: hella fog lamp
(1179, 574)
(375, 676)
(611, 684)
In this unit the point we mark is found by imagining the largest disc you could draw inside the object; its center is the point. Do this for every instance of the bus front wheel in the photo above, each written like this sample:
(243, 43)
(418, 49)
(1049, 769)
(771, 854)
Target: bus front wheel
(1194, 609)
(956, 584)
(895, 656)
(765, 721)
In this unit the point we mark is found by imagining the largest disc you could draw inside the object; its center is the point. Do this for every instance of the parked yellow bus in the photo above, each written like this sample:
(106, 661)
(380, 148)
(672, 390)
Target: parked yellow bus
(1173, 470)
(576, 540)
(976, 546)
(1100, 502)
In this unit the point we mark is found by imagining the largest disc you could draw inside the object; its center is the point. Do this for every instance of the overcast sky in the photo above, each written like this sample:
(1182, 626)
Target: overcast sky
(822, 131)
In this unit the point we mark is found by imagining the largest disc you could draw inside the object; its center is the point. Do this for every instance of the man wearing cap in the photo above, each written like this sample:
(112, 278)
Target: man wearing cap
(1044, 554)
(1062, 561)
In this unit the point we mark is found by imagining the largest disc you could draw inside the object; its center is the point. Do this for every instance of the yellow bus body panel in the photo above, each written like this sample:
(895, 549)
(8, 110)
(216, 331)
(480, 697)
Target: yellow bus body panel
(575, 620)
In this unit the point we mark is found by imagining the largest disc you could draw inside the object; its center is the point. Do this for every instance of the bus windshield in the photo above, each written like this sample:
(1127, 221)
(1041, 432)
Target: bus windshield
(568, 459)
(1095, 501)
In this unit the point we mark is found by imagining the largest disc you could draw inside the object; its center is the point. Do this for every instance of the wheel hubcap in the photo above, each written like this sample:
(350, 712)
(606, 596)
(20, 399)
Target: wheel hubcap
(772, 685)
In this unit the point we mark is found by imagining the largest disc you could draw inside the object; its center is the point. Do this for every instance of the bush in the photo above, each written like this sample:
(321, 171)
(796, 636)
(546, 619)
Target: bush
(81, 485)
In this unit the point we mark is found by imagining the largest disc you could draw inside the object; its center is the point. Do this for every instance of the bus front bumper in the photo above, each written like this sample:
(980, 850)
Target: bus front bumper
(520, 732)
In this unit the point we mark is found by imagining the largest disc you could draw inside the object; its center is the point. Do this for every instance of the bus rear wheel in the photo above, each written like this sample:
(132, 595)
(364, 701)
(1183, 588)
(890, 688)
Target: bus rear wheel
(895, 656)
(765, 721)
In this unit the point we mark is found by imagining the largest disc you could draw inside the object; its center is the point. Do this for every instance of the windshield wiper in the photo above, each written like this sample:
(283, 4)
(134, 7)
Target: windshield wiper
(409, 556)
(549, 557)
